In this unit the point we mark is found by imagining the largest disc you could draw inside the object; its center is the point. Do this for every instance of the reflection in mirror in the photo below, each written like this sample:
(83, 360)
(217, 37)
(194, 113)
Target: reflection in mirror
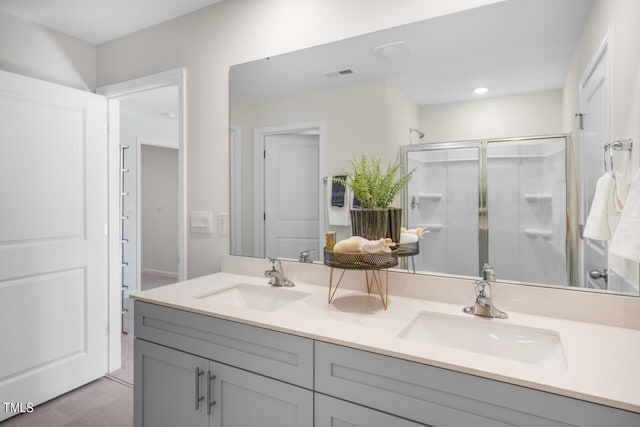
(542, 62)
(501, 202)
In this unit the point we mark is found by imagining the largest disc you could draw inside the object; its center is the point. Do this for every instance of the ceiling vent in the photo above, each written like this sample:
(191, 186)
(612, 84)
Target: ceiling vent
(339, 73)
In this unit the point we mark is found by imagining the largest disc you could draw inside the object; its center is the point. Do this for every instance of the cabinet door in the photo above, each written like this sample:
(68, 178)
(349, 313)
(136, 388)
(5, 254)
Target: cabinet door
(331, 412)
(167, 387)
(244, 399)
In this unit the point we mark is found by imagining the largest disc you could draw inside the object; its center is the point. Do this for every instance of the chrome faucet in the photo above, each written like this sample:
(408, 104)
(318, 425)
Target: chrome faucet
(305, 256)
(484, 306)
(276, 274)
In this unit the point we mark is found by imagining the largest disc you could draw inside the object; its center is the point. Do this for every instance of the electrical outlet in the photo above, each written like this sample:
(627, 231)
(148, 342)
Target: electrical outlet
(223, 224)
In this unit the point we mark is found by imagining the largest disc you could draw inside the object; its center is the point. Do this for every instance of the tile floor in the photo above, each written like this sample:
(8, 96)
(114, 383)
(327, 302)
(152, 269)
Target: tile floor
(107, 402)
(102, 403)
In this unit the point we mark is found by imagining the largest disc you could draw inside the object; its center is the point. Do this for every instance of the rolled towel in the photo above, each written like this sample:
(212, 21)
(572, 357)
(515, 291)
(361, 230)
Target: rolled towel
(597, 225)
(626, 238)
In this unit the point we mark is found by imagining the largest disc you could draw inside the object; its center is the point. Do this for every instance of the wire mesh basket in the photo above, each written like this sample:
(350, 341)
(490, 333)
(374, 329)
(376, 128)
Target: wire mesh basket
(361, 261)
(408, 249)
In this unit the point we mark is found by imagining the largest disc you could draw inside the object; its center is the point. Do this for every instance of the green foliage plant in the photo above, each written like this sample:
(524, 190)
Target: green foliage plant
(373, 186)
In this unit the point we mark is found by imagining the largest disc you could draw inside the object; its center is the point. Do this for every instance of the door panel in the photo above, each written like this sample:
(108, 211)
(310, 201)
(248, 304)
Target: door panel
(244, 399)
(53, 242)
(165, 387)
(292, 221)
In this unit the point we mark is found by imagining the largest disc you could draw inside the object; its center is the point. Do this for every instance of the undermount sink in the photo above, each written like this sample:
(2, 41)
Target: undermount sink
(254, 297)
(488, 336)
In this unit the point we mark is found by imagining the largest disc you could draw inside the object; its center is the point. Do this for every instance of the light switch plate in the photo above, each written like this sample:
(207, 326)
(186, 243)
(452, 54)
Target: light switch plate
(223, 224)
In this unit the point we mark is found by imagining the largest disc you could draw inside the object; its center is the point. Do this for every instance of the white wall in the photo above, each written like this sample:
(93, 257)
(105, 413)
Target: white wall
(35, 51)
(159, 204)
(538, 113)
(402, 114)
(621, 16)
(209, 41)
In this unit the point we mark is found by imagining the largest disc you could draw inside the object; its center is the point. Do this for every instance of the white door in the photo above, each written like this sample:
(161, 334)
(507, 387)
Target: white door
(53, 239)
(292, 222)
(595, 107)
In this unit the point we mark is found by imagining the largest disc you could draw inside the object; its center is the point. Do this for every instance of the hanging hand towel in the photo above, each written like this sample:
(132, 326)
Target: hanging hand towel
(597, 225)
(626, 239)
(337, 192)
(338, 215)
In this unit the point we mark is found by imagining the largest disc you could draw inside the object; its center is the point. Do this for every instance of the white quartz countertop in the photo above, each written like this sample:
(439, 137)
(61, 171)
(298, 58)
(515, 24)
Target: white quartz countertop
(602, 362)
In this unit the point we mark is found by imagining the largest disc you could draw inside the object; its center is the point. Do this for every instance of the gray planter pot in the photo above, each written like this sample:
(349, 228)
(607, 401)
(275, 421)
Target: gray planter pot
(374, 224)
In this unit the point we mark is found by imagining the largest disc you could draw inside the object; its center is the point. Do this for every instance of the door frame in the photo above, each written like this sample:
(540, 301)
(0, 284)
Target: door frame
(604, 51)
(113, 93)
(259, 135)
(235, 189)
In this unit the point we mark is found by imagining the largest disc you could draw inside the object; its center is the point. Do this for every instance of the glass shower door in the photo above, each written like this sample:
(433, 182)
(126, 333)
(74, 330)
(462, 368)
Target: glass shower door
(443, 198)
(526, 204)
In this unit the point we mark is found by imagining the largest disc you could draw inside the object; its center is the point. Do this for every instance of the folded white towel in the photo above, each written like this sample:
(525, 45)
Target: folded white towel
(597, 225)
(626, 239)
(338, 215)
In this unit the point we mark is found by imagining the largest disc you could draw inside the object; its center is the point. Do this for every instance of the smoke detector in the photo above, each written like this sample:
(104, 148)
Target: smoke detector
(392, 50)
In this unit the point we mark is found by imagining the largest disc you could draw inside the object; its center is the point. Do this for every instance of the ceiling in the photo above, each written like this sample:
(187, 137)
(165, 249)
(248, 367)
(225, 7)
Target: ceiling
(511, 47)
(98, 21)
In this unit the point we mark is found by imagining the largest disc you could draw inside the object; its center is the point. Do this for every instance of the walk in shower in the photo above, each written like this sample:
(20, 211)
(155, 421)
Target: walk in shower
(501, 201)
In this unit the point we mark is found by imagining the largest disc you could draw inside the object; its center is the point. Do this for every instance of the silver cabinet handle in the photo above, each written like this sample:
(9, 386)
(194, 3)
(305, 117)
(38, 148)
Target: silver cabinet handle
(199, 398)
(210, 379)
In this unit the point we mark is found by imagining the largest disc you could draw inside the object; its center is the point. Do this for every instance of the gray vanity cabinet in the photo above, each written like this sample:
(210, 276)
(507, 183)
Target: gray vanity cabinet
(244, 399)
(165, 387)
(267, 378)
(444, 398)
(331, 412)
(176, 353)
(171, 390)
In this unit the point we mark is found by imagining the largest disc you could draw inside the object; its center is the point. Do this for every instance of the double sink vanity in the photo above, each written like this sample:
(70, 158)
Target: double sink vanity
(230, 350)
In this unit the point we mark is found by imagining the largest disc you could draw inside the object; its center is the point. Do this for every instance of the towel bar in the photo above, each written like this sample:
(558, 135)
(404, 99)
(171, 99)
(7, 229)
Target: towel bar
(620, 145)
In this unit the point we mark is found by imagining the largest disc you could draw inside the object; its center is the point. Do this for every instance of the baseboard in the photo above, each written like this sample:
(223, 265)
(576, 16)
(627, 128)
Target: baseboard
(171, 274)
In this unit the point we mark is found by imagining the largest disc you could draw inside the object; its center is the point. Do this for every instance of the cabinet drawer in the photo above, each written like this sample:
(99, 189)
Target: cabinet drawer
(331, 412)
(441, 397)
(274, 354)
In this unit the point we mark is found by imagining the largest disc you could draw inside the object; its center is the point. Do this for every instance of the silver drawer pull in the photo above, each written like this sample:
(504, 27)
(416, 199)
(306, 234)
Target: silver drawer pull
(210, 379)
(199, 398)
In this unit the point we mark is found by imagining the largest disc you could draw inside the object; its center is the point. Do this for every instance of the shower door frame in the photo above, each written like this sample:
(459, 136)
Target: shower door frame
(571, 247)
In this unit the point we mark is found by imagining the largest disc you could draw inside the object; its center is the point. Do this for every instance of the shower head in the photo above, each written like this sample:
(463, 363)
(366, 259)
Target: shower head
(420, 133)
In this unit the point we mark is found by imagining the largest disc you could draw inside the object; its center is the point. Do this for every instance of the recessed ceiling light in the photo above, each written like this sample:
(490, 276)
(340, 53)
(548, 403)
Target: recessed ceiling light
(480, 90)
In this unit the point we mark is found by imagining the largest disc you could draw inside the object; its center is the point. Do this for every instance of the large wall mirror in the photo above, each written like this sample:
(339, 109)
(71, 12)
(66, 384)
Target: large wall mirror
(506, 175)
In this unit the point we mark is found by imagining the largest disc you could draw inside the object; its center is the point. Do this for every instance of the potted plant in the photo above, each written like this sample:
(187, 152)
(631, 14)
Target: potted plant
(376, 189)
